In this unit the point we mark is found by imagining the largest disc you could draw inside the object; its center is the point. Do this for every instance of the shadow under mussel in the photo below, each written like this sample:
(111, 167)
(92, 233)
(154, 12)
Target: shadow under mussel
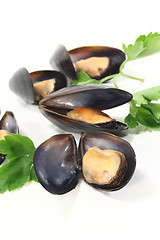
(32, 87)
(79, 108)
(96, 61)
(8, 125)
(59, 168)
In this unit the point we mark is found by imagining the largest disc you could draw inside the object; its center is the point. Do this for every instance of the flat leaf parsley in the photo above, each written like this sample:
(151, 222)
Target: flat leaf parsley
(143, 46)
(145, 109)
(19, 169)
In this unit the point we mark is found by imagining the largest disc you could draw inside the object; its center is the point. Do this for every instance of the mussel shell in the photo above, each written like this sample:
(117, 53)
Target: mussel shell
(55, 163)
(116, 57)
(2, 158)
(22, 82)
(61, 61)
(9, 122)
(104, 141)
(56, 105)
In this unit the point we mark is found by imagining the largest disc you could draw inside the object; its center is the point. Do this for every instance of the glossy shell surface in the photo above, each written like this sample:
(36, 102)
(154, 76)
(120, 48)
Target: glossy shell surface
(61, 61)
(22, 82)
(55, 163)
(116, 57)
(9, 123)
(105, 141)
(55, 106)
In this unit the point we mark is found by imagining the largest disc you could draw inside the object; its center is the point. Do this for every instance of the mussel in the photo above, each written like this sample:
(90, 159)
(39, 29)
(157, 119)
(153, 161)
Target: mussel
(104, 160)
(34, 86)
(8, 125)
(55, 164)
(108, 162)
(78, 108)
(96, 61)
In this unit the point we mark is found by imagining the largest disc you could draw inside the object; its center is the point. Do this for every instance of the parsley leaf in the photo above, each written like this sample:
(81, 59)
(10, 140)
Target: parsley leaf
(131, 121)
(83, 78)
(82, 75)
(143, 46)
(33, 176)
(154, 108)
(132, 51)
(19, 169)
(143, 111)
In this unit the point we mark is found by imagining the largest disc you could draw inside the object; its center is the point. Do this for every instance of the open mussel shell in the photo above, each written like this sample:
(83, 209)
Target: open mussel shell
(55, 163)
(61, 61)
(32, 87)
(97, 61)
(104, 141)
(8, 125)
(56, 106)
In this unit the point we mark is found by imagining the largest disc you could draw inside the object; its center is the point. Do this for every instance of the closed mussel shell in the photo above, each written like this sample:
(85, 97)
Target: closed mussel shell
(32, 87)
(55, 163)
(56, 106)
(107, 141)
(97, 61)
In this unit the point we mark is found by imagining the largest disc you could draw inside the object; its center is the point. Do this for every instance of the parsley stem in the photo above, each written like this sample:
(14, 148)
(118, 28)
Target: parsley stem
(134, 78)
(126, 75)
(108, 77)
(115, 80)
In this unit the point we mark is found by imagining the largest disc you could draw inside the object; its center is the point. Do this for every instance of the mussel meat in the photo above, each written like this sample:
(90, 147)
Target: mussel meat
(78, 108)
(8, 125)
(104, 160)
(34, 86)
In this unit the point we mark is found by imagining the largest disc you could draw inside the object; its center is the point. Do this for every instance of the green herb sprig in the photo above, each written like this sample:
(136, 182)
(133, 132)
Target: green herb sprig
(144, 46)
(145, 109)
(19, 168)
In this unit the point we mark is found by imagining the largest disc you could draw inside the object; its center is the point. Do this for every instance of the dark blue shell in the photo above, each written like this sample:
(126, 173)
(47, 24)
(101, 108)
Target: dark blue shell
(55, 163)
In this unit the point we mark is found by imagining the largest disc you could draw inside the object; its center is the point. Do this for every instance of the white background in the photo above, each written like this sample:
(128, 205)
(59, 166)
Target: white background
(29, 32)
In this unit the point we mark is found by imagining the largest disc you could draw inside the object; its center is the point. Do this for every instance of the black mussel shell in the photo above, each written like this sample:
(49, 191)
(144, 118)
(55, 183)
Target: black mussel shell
(116, 58)
(104, 141)
(55, 163)
(9, 123)
(2, 158)
(56, 105)
(61, 61)
(22, 82)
